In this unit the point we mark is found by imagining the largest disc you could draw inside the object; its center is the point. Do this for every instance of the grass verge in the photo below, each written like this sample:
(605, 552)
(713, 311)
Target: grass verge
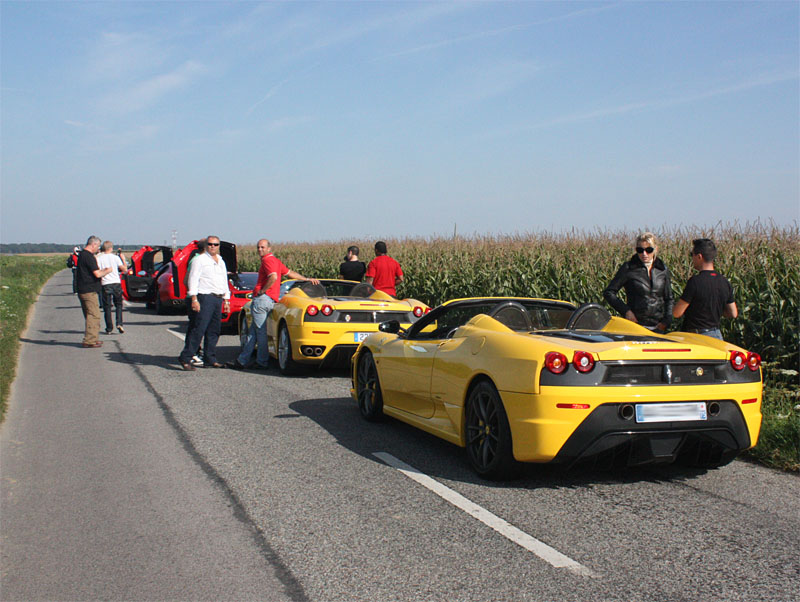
(21, 279)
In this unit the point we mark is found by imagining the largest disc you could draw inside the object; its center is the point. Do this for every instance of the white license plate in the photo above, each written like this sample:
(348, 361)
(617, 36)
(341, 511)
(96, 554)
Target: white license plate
(360, 336)
(670, 412)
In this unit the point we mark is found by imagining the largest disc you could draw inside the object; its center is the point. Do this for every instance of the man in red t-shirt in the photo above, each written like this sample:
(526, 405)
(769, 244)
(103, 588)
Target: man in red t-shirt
(383, 272)
(265, 295)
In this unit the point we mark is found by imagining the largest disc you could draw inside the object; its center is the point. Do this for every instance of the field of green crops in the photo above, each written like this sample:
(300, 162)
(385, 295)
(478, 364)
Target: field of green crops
(761, 261)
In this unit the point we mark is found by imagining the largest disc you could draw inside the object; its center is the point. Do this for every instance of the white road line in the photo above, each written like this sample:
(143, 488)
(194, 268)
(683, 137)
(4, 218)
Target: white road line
(180, 335)
(542, 550)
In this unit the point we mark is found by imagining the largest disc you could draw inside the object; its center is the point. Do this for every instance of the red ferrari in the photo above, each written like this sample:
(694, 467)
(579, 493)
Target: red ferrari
(137, 283)
(170, 284)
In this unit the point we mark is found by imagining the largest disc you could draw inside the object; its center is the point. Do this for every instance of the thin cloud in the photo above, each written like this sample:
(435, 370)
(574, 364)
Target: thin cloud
(495, 32)
(758, 82)
(150, 91)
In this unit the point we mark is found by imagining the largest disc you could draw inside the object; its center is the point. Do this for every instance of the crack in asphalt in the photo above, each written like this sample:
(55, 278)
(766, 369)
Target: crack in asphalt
(292, 587)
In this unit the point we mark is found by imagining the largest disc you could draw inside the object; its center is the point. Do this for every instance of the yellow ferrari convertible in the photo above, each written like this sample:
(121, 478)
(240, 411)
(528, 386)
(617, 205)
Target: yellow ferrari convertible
(534, 380)
(320, 324)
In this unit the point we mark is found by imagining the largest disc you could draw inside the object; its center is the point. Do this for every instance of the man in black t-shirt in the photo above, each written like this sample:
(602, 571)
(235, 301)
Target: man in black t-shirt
(88, 284)
(352, 268)
(708, 295)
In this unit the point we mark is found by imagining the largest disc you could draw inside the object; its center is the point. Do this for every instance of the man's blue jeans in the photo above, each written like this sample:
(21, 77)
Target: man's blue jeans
(259, 311)
(204, 328)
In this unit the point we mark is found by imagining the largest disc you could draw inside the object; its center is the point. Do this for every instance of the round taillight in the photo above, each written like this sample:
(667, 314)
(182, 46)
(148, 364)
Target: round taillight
(326, 310)
(418, 311)
(738, 360)
(753, 361)
(427, 310)
(312, 310)
(555, 362)
(583, 361)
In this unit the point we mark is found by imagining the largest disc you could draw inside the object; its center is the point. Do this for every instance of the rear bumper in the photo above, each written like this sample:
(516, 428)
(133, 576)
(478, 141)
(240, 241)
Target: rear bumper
(543, 432)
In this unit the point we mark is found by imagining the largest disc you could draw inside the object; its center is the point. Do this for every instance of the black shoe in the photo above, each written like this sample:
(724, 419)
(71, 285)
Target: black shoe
(109, 331)
(259, 367)
(235, 365)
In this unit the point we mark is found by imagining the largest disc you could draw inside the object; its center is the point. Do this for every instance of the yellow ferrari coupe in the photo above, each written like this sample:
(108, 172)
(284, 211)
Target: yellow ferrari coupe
(534, 380)
(320, 324)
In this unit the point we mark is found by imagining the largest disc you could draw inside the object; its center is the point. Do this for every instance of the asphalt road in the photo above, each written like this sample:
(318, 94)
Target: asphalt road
(124, 477)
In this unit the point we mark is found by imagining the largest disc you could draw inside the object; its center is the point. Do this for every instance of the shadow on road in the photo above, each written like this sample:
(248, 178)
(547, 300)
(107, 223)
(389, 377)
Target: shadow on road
(436, 457)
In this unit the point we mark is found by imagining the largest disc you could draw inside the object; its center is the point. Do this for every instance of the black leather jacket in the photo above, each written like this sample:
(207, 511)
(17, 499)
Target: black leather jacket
(650, 301)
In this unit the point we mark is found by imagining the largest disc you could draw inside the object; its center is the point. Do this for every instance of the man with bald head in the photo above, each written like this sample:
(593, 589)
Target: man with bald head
(265, 295)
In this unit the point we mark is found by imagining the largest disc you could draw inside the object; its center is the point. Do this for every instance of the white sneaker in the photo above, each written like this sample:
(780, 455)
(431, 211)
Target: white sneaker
(196, 360)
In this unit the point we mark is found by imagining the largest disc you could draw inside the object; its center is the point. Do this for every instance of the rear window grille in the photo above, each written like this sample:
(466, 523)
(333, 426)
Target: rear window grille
(656, 374)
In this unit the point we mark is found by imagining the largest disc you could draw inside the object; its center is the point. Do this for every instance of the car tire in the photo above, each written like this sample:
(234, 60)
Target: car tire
(242, 329)
(368, 388)
(286, 363)
(160, 309)
(487, 435)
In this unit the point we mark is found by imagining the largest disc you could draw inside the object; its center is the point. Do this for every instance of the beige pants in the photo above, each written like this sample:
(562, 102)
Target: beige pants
(91, 311)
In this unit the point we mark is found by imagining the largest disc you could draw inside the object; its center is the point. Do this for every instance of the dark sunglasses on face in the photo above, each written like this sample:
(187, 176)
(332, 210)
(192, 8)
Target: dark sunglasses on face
(212, 244)
(643, 249)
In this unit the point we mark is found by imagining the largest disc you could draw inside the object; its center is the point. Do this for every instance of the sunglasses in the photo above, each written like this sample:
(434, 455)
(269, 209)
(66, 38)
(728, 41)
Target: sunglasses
(212, 244)
(645, 250)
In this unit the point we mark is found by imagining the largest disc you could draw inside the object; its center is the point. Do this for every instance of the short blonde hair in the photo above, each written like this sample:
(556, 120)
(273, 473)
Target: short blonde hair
(647, 237)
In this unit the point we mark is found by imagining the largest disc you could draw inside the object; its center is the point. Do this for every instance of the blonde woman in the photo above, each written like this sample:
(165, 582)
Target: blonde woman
(647, 284)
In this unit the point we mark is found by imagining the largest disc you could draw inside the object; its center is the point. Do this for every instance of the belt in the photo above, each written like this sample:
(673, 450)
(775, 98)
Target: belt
(218, 295)
(703, 330)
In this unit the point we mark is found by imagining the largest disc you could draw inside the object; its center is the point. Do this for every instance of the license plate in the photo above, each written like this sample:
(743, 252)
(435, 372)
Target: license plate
(670, 412)
(360, 336)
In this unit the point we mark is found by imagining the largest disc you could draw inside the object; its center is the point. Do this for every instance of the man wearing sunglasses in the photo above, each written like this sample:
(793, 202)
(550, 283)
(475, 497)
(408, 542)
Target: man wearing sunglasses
(209, 296)
(647, 284)
(708, 295)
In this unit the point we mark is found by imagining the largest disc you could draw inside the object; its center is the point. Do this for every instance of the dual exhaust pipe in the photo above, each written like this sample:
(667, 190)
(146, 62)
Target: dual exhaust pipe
(312, 351)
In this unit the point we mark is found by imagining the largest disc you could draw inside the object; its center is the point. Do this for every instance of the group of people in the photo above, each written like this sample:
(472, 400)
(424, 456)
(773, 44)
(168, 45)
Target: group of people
(649, 301)
(708, 295)
(96, 276)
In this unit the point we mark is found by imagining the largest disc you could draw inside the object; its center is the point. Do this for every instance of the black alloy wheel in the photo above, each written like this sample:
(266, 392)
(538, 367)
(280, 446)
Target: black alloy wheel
(487, 434)
(368, 388)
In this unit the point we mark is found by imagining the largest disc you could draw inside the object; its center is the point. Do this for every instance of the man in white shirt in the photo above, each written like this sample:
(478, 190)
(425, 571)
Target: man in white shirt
(209, 296)
(112, 287)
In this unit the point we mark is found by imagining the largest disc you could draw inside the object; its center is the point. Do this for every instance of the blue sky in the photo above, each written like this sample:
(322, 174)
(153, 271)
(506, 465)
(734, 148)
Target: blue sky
(309, 121)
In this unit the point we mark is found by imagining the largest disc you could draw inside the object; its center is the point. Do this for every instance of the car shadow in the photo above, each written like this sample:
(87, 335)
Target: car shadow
(435, 457)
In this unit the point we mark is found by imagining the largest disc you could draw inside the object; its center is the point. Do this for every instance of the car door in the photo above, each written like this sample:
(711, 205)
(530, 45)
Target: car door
(405, 368)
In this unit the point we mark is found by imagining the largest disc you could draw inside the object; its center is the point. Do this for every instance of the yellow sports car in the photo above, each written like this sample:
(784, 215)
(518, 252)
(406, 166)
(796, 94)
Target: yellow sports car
(535, 380)
(316, 324)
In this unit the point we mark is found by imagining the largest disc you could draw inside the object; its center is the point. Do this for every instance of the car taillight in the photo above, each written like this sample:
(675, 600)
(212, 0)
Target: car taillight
(555, 362)
(418, 311)
(738, 360)
(427, 310)
(326, 310)
(583, 361)
(753, 361)
(312, 310)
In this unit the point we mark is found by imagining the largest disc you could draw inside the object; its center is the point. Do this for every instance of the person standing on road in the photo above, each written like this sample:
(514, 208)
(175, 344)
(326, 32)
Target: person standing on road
(89, 287)
(383, 272)
(708, 294)
(209, 296)
(352, 268)
(111, 284)
(647, 284)
(197, 358)
(265, 295)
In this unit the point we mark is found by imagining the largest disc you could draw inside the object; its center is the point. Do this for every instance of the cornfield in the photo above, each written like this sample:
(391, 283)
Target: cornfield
(762, 262)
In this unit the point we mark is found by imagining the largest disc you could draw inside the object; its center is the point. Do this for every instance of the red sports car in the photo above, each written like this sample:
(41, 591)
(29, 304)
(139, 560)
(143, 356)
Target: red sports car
(170, 285)
(137, 284)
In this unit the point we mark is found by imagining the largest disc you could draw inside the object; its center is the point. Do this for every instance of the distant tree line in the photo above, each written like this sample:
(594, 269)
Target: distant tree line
(42, 247)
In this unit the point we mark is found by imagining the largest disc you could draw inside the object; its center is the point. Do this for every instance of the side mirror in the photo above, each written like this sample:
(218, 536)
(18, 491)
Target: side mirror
(391, 326)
